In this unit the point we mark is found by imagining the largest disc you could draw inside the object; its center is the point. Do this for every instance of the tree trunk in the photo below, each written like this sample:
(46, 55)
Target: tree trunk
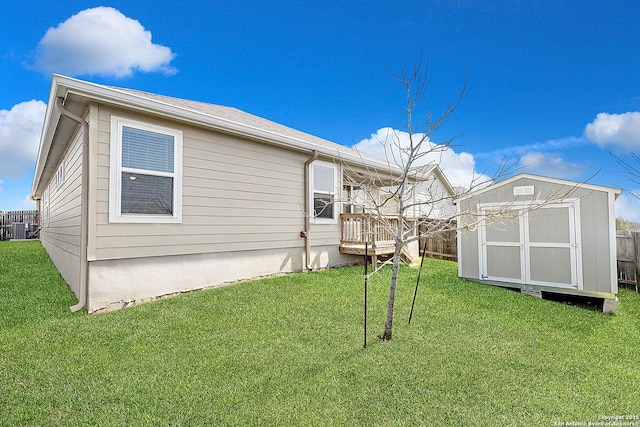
(388, 326)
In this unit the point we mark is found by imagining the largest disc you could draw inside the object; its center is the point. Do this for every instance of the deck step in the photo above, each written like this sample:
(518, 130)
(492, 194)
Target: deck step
(406, 256)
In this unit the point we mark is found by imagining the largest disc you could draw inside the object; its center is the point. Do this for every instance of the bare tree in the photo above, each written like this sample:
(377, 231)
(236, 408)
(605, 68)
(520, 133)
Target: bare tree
(632, 170)
(395, 190)
(406, 196)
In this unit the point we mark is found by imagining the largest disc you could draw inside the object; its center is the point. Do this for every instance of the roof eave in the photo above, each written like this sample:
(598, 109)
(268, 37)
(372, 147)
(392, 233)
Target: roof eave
(49, 125)
(63, 86)
(134, 101)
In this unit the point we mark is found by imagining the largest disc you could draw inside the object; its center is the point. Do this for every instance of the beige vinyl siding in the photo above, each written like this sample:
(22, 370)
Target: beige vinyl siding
(61, 235)
(237, 195)
(434, 198)
(325, 234)
(439, 201)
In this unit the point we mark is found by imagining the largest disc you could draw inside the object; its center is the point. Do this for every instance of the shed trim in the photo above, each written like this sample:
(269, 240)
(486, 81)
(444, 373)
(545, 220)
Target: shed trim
(615, 191)
(523, 208)
(612, 242)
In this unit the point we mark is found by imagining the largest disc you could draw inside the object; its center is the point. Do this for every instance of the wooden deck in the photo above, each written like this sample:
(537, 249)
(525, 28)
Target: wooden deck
(378, 234)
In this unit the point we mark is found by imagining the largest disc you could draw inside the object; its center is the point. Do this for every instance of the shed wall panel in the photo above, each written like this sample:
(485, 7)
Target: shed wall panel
(595, 242)
(468, 258)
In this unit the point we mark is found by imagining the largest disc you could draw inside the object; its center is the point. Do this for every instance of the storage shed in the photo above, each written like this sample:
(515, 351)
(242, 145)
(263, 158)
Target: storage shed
(541, 234)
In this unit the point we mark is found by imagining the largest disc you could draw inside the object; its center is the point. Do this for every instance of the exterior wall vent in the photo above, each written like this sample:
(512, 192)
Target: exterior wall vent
(523, 191)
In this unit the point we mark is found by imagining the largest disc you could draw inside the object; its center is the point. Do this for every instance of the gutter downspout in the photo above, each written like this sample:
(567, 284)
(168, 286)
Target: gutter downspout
(307, 215)
(84, 204)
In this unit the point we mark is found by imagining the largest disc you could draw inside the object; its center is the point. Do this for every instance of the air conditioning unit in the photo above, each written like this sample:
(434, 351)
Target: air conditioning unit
(19, 231)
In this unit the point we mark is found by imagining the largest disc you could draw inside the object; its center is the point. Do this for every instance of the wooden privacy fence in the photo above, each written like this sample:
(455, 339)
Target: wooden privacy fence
(9, 218)
(628, 257)
(438, 239)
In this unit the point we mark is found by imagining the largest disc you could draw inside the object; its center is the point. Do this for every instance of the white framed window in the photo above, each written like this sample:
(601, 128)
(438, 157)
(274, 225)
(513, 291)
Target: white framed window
(146, 173)
(323, 189)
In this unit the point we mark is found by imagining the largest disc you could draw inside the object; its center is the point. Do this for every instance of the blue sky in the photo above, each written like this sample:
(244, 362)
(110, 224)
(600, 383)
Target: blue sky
(555, 84)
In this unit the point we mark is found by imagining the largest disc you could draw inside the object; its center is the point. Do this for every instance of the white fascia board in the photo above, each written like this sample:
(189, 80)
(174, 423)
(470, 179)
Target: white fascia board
(444, 180)
(49, 125)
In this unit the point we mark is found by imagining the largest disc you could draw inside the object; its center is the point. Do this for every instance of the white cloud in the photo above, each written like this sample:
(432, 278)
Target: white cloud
(559, 144)
(101, 41)
(20, 130)
(628, 206)
(622, 131)
(27, 203)
(550, 164)
(458, 168)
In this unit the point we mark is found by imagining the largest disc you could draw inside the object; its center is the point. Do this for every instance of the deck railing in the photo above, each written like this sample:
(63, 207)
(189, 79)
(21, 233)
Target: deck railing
(358, 229)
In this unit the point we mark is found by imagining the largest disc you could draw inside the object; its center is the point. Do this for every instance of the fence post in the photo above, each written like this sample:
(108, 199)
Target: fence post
(636, 250)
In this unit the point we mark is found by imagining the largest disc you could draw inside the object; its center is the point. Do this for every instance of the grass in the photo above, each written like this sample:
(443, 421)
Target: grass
(288, 351)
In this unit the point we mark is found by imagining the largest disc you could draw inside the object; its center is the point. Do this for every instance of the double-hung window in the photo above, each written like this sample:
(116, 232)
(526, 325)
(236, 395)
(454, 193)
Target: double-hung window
(146, 173)
(323, 189)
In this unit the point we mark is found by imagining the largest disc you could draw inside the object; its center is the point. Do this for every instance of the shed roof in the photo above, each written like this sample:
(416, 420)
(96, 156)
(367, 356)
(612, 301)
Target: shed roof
(616, 191)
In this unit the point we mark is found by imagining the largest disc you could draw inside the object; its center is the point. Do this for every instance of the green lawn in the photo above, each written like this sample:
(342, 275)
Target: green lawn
(288, 351)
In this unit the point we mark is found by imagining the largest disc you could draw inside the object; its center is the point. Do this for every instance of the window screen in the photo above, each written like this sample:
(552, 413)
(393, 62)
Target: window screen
(146, 194)
(143, 149)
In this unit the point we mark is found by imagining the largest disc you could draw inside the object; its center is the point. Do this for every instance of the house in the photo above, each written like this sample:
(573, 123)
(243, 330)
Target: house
(430, 195)
(428, 200)
(541, 234)
(143, 195)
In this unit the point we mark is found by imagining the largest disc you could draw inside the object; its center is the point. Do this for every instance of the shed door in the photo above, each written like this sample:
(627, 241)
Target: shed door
(502, 255)
(538, 246)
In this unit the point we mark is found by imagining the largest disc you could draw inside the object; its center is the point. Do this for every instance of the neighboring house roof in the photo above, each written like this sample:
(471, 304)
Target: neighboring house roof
(78, 94)
(584, 185)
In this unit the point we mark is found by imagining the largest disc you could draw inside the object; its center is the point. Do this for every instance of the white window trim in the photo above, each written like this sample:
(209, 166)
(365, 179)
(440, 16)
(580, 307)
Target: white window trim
(336, 192)
(115, 176)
